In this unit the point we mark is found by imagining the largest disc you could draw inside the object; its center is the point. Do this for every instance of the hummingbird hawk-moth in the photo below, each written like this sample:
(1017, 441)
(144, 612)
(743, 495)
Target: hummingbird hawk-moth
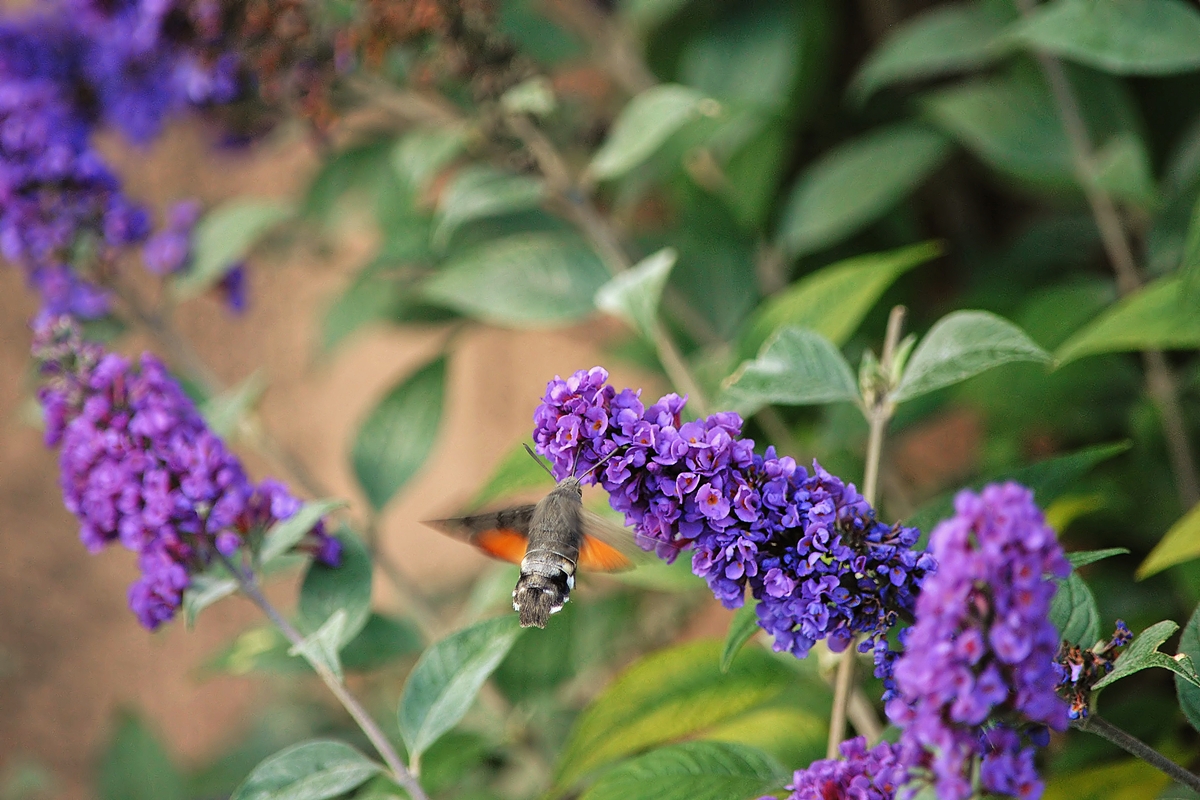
(550, 540)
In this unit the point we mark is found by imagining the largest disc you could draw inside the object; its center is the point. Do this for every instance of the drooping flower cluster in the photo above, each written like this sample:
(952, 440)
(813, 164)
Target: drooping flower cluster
(982, 648)
(808, 546)
(863, 774)
(140, 466)
(1080, 668)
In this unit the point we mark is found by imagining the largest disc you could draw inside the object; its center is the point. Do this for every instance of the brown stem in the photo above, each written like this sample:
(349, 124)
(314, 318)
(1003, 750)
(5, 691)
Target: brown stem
(1136, 747)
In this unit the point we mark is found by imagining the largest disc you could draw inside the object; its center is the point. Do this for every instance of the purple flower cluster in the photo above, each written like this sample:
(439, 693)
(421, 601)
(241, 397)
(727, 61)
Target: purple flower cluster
(808, 546)
(140, 466)
(1080, 668)
(983, 647)
(874, 774)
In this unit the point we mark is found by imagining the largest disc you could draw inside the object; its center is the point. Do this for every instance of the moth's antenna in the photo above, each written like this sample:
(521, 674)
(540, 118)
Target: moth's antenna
(599, 463)
(533, 455)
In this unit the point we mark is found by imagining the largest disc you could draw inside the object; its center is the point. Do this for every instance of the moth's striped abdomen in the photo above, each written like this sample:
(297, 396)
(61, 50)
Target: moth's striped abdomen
(548, 568)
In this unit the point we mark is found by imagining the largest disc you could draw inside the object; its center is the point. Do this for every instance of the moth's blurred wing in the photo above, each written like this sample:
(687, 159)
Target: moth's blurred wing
(500, 534)
(607, 546)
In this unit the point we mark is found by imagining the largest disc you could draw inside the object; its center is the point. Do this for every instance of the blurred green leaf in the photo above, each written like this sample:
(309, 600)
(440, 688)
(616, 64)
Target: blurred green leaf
(381, 641)
(515, 473)
(940, 41)
(1179, 544)
(792, 735)
(136, 766)
(397, 436)
(672, 694)
(645, 124)
(1189, 693)
(633, 295)
(1125, 37)
(1128, 779)
(314, 770)
(418, 156)
(346, 587)
(962, 344)
(479, 191)
(205, 589)
(1083, 558)
(322, 647)
(691, 771)
(855, 183)
(1156, 317)
(224, 237)
(833, 300)
(225, 411)
(522, 281)
(645, 15)
(1189, 267)
(527, 24)
(286, 534)
(741, 628)
(798, 367)
(1073, 612)
(1142, 653)
(534, 97)
(1123, 170)
(443, 684)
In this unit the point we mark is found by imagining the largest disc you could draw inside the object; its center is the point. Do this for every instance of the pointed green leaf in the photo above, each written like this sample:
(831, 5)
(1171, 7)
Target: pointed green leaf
(443, 684)
(645, 124)
(1082, 558)
(1179, 544)
(940, 41)
(1189, 694)
(1125, 37)
(314, 770)
(1155, 317)
(857, 182)
(741, 628)
(382, 640)
(1189, 266)
(321, 648)
(672, 694)
(397, 436)
(420, 155)
(634, 294)
(1073, 612)
(527, 280)
(1142, 653)
(480, 191)
(797, 367)
(346, 587)
(960, 345)
(691, 771)
(136, 766)
(833, 300)
(205, 589)
(286, 534)
(1124, 171)
(515, 473)
(225, 236)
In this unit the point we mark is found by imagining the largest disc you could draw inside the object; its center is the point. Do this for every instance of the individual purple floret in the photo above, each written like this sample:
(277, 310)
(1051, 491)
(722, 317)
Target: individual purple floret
(875, 774)
(808, 546)
(140, 466)
(982, 647)
(169, 250)
(1079, 668)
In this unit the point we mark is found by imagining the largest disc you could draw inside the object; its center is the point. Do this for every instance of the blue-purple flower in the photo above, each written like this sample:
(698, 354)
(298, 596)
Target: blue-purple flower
(978, 664)
(808, 547)
(139, 466)
(862, 774)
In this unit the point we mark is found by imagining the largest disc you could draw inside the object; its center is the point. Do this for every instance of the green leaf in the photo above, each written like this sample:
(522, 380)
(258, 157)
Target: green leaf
(645, 124)
(480, 191)
(381, 641)
(1179, 544)
(1125, 37)
(857, 182)
(397, 436)
(1189, 694)
(206, 589)
(1156, 317)
(346, 587)
(940, 41)
(314, 770)
(797, 367)
(672, 694)
(224, 237)
(1073, 612)
(792, 735)
(420, 155)
(833, 300)
(286, 534)
(634, 294)
(515, 473)
(960, 345)
(741, 628)
(443, 684)
(136, 766)
(1123, 170)
(321, 648)
(522, 281)
(1142, 653)
(1081, 558)
(225, 412)
(1189, 266)
(534, 96)
(691, 771)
